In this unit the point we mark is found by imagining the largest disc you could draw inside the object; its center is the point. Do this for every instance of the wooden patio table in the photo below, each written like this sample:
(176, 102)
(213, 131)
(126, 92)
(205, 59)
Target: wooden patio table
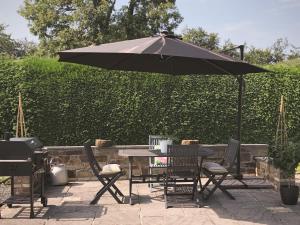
(156, 178)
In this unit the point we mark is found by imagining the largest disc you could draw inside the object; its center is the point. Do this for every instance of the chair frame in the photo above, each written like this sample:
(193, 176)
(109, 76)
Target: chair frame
(107, 180)
(182, 166)
(217, 178)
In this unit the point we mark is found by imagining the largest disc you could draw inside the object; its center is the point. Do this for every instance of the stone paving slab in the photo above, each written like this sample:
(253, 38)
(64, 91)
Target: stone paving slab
(69, 205)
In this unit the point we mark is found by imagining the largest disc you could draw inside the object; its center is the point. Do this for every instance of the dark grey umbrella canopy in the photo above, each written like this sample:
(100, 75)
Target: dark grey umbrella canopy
(163, 54)
(159, 54)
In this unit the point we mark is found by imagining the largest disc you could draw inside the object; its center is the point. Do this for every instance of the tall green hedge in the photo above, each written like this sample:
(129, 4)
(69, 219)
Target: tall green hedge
(64, 104)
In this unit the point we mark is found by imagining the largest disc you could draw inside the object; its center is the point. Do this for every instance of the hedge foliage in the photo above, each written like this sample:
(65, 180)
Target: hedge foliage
(64, 104)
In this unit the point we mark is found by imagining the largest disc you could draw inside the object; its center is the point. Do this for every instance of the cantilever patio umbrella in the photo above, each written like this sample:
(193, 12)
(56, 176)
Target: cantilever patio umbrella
(162, 54)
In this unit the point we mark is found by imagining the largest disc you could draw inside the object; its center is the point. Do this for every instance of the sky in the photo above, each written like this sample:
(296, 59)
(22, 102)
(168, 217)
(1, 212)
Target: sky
(255, 22)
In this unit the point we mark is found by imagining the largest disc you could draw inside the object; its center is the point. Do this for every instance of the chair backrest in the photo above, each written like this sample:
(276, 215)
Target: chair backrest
(182, 158)
(91, 158)
(231, 153)
(154, 140)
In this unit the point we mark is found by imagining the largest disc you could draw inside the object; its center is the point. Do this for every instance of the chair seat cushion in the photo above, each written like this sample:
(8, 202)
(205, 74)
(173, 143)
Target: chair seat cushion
(214, 167)
(110, 169)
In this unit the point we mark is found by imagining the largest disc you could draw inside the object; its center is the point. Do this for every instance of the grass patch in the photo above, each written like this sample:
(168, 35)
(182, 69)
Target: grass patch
(3, 179)
(298, 168)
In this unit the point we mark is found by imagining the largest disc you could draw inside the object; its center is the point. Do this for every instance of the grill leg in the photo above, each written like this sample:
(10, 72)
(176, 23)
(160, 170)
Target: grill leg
(130, 180)
(31, 196)
(12, 189)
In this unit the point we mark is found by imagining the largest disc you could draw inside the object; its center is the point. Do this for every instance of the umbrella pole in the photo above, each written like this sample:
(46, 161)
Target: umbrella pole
(239, 126)
(241, 82)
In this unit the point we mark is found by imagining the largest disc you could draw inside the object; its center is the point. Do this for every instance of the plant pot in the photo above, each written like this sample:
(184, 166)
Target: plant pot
(289, 194)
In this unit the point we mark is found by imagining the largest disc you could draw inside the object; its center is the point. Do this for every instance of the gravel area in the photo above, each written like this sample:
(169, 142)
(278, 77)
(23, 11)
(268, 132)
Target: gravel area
(4, 191)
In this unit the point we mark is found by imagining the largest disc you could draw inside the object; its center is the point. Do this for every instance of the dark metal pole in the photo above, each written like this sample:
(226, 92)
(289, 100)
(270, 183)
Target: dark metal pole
(239, 116)
(241, 82)
(242, 48)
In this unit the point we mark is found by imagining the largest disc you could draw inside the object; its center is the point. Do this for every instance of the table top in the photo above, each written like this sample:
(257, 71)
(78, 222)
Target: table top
(203, 152)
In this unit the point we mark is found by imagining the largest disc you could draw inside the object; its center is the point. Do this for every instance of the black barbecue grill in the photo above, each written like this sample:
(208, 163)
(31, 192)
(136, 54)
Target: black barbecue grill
(23, 157)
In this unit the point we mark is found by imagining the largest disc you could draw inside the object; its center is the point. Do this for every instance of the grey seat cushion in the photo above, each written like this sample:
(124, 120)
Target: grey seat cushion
(214, 167)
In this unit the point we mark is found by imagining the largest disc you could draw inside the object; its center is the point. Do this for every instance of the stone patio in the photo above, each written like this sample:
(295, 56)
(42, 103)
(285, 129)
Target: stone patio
(70, 205)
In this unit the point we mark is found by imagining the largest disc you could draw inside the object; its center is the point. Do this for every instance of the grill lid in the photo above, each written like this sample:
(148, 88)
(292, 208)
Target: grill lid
(33, 142)
(19, 148)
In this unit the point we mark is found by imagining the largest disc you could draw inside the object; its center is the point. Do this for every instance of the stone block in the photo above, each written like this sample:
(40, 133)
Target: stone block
(73, 152)
(19, 180)
(258, 150)
(74, 161)
(99, 143)
(249, 164)
(83, 158)
(64, 158)
(25, 185)
(85, 165)
(84, 173)
(102, 158)
(245, 157)
(59, 158)
(72, 173)
(190, 142)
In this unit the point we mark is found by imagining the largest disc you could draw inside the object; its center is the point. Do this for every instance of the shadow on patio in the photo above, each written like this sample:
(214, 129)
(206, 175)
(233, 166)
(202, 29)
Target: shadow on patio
(70, 204)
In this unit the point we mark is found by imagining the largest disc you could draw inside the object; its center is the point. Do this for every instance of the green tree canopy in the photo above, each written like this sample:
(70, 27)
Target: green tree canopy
(198, 36)
(294, 52)
(143, 18)
(13, 48)
(274, 54)
(65, 24)
(7, 44)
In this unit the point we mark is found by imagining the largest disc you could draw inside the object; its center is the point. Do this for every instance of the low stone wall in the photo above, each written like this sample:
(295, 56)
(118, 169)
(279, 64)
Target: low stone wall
(78, 168)
(264, 168)
(21, 184)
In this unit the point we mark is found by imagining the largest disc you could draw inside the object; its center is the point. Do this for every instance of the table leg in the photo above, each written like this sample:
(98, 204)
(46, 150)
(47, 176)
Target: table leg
(130, 159)
(200, 169)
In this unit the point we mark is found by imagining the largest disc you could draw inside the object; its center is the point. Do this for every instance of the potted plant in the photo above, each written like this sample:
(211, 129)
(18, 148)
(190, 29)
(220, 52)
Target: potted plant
(286, 157)
(287, 160)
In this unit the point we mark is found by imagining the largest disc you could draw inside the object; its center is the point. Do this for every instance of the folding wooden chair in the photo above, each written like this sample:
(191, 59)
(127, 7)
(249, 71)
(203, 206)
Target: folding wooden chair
(182, 171)
(107, 176)
(217, 172)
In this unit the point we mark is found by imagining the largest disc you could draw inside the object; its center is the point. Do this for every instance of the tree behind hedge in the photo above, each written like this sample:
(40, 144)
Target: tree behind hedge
(62, 24)
(65, 104)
